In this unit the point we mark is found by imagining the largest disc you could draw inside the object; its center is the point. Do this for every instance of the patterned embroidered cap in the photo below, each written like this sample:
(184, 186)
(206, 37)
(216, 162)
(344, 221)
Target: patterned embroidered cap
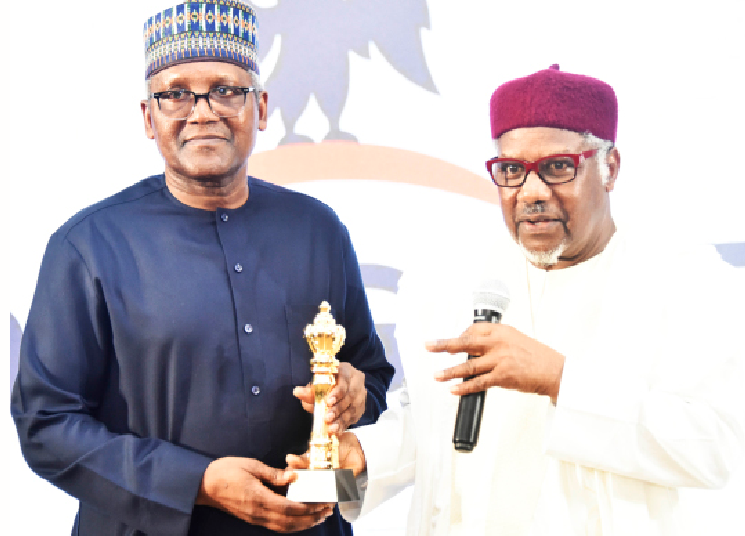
(216, 30)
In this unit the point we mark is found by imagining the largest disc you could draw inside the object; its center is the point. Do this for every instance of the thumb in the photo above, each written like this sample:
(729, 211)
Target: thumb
(272, 476)
(303, 391)
(297, 462)
(306, 396)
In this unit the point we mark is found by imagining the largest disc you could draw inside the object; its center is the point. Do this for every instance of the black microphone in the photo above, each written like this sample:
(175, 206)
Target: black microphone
(490, 301)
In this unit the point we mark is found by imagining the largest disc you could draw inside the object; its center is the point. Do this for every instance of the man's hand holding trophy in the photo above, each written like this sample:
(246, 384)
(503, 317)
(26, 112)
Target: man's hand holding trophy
(320, 478)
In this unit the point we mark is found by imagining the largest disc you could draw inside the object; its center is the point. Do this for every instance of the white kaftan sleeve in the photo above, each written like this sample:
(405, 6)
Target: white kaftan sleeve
(659, 394)
(390, 453)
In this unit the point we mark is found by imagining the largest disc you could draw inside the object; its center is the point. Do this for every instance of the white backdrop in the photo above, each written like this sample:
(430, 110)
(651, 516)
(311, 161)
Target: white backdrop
(73, 134)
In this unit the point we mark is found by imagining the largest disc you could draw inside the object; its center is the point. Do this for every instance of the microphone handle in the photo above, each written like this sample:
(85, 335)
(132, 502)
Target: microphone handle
(471, 406)
(468, 420)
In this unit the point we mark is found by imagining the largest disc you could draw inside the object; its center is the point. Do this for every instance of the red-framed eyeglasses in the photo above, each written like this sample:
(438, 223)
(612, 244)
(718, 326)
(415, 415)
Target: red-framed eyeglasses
(552, 169)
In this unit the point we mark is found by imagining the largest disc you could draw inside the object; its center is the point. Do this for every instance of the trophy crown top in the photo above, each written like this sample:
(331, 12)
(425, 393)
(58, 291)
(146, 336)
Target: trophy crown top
(324, 334)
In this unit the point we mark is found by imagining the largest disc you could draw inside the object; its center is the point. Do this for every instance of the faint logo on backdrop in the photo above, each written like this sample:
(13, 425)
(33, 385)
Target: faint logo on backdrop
(733, 253)
(15, 348)
(315, 41)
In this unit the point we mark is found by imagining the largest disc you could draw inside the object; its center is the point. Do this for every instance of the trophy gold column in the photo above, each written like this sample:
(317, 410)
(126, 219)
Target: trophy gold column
(324, 481)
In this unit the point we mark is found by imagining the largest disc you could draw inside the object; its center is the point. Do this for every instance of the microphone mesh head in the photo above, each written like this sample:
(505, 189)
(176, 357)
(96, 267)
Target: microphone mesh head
(492, 295)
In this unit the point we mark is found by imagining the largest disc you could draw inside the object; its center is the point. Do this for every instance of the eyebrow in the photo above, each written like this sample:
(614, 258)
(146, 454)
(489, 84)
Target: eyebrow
(565, 151)
(178, 80)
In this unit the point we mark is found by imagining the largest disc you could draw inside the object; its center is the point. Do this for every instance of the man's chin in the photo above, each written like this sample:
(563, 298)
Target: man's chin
(208, 173)
(543, 258)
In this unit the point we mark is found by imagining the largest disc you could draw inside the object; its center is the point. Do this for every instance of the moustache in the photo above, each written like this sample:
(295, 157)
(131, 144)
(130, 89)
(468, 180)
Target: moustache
(533, 209)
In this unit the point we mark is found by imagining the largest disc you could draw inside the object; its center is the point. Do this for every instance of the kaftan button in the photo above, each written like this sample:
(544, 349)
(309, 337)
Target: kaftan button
(224, 217)
(248, 328)
(238, 268)
(255, 389)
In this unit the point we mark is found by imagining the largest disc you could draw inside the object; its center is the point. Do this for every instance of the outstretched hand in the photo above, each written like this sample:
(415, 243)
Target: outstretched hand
(346, 401)
(241, 487)
(504, 357)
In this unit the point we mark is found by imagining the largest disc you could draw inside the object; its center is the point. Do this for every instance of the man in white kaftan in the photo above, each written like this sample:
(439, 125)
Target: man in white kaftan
(648, 402)
(615, 378)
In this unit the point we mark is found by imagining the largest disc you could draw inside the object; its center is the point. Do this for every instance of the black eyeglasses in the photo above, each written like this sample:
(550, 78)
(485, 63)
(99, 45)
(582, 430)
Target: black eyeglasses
(552, 169)
(224, 101)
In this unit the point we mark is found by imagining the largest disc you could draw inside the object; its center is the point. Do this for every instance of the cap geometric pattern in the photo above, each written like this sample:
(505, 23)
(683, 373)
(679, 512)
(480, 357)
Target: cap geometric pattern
(222, 30)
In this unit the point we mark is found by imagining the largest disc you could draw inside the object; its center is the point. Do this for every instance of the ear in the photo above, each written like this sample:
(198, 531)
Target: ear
(263, 110)
(147, 118)
(614, 165)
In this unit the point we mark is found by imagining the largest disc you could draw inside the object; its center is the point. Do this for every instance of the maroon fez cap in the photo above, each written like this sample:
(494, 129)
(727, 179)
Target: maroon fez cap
(552, 98)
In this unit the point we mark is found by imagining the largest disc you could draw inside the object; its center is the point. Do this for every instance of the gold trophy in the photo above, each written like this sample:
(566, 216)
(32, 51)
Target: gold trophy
(324, 481)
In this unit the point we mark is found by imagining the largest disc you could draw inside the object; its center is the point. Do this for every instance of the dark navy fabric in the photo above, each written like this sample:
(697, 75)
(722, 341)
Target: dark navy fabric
(161, 337)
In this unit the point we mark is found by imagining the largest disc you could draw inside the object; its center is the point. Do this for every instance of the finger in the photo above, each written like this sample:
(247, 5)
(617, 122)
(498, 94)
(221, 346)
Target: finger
(297, 462)
(272, 501)
(333, 414)
(344, 421)
(297, 509)
(285, 525)
(465, 343)
(471, 367)
(339, 392)
(338, 427)
(475, 385)
(290, 523)
(439, 345)
(282, 515)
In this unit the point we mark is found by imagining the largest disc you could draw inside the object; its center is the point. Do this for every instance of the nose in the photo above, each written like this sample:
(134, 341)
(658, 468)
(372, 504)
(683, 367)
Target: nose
(534, 189)
(202, 111)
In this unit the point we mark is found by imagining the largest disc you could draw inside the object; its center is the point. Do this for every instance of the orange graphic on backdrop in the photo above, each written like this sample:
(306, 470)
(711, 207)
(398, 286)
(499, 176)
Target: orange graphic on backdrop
(345, 160)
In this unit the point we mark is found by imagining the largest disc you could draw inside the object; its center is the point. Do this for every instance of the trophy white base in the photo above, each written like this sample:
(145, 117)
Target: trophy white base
(323, 486)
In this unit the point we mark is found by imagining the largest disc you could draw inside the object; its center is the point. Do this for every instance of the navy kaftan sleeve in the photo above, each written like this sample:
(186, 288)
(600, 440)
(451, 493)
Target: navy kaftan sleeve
(66, 359)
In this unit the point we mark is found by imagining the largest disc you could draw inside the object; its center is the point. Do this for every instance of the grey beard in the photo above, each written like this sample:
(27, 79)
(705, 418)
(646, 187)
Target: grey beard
(544, 259)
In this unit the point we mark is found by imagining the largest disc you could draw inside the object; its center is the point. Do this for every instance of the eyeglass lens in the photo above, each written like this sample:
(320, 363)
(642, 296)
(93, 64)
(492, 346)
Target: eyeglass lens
(224, 102)
(553, 170)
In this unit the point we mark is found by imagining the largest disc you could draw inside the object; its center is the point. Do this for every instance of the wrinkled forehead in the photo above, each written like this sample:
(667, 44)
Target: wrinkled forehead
(533, 143)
